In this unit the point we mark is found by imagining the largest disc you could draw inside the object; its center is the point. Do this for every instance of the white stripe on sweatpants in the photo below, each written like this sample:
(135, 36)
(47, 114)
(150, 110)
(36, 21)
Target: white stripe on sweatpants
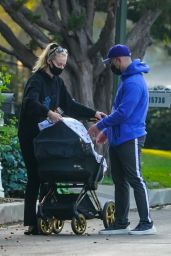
(139, 176)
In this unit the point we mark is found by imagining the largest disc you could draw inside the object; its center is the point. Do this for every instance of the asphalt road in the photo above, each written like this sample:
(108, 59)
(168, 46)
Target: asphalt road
(14, 243)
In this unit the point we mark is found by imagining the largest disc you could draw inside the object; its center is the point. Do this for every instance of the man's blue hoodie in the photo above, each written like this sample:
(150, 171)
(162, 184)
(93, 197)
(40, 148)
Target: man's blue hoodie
(129, 110)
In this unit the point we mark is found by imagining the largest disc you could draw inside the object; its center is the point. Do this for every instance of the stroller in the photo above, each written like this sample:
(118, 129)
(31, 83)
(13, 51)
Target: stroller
(66, 162)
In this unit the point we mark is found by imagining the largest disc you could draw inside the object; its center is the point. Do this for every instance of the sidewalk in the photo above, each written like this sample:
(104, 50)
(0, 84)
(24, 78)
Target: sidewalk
(14, 242)
(13, 212)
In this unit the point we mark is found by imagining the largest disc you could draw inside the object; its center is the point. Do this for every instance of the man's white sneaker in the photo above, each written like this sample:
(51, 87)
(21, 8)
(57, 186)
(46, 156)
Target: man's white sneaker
(143, 229)
(115, 230)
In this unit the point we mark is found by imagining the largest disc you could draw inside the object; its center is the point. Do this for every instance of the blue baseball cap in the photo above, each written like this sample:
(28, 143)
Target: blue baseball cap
(117, 50)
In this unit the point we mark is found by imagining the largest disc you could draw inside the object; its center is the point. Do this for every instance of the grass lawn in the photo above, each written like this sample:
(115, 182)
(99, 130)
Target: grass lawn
(156, 168)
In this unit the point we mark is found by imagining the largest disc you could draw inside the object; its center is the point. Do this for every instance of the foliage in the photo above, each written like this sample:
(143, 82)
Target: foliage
(33, 17)
(158, 128)
(18, 3)
(13, 171)
(5, 79)
(7, 132)
(142, 5)
(56, 37)
(76, 21)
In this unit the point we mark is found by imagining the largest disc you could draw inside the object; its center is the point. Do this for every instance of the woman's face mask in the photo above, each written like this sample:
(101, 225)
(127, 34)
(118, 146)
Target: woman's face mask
(58, 64)
(55, 70)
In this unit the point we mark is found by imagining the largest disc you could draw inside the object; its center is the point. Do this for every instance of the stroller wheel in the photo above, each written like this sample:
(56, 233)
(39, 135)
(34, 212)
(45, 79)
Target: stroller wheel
(79, 224)
(57, 225)
(108, 214)
(45, 226)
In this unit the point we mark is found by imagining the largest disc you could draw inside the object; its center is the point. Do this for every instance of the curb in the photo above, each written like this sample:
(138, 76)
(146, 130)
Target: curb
(11, 212)
(14, 212)
(156, 196)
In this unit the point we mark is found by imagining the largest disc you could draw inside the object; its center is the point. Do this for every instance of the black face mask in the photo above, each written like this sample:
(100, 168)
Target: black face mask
(115, 70)
(54, 70)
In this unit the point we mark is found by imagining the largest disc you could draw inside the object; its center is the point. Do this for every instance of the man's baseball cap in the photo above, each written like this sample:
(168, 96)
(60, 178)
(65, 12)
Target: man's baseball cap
(117, 50)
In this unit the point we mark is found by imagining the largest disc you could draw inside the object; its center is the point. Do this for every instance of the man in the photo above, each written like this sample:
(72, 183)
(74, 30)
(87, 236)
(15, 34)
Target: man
(125, 130)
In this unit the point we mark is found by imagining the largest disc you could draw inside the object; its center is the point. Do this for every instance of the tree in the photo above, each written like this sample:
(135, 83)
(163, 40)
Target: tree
(70, 22)
(152, 21)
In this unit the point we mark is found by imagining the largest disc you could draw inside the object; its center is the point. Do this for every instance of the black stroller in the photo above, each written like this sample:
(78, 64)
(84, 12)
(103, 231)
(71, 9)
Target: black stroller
(66, 162)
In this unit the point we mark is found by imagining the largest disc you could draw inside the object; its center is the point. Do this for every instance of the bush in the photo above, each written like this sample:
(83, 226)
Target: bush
(158, 128)
(13, 169)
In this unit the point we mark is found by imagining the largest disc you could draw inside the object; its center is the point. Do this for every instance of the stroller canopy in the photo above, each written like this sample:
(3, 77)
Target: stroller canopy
(62, 155)
(61, 142)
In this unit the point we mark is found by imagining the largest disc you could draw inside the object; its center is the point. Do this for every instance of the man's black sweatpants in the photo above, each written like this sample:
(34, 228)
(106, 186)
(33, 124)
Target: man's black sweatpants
(126, 171)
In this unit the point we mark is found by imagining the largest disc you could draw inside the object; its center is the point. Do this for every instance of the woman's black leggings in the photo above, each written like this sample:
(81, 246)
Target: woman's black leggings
(33, 184)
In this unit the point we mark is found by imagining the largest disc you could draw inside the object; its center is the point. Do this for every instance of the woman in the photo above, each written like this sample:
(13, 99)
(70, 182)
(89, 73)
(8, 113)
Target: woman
(44, 93)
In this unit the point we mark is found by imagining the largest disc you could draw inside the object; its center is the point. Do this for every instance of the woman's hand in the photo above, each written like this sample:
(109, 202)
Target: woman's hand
(54, 116)
(99, 115)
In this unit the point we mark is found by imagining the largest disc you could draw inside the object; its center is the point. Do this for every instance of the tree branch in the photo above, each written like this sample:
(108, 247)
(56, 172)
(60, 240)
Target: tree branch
(46, 24)
(21, 52)
(3, 49)
(63, 7)
(141, 46)
(90, 6)
(142, 27)
(106, 31)
(49, 6)
(31, 29)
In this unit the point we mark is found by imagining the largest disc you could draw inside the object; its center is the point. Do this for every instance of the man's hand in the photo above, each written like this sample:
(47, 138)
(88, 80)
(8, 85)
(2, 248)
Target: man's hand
(54, 116)
(93, 131)
(101, 138)
(99, 115)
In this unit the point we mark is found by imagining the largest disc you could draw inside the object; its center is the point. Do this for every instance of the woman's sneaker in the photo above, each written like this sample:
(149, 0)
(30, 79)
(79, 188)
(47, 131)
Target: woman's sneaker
(116, 229)
(143, 228)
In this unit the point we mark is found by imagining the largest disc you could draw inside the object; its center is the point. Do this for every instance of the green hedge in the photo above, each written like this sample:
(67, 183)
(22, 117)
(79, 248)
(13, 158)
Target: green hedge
(159, 129)
(14, 175)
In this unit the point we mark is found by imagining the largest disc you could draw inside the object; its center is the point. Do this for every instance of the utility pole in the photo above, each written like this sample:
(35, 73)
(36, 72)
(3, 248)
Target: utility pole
(120, 35)
(121, 16)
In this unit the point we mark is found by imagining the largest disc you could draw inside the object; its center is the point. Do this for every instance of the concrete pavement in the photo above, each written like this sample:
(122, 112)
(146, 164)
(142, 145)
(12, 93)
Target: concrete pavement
(13, 242)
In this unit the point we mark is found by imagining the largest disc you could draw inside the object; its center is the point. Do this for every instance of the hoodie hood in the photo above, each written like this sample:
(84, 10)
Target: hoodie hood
(135, 67)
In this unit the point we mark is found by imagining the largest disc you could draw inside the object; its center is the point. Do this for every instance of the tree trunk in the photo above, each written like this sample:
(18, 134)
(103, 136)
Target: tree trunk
(84, 78)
